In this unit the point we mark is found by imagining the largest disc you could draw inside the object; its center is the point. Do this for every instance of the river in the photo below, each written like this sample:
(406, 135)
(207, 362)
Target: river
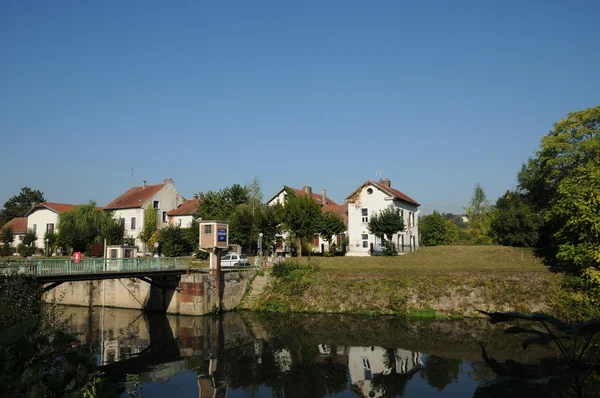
(294, 355)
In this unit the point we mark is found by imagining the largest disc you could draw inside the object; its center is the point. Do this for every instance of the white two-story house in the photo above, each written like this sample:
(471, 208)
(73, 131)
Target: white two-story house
(183, 216)
(18, 227)
(131, 205)
(371, 198)
(43, 217)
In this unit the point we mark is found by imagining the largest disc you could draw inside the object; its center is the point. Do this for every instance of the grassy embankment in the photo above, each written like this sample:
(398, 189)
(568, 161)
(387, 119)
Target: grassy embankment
(435, 281)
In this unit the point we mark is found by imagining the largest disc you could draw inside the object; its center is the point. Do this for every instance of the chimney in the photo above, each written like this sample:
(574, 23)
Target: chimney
(144, 184)
(168, 181)
(324, 195)
(386, 182)
(307, 190)
(196, 196)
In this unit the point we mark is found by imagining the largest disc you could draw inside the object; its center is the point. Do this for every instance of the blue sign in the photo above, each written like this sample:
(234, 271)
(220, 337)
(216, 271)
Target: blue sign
(221, 235)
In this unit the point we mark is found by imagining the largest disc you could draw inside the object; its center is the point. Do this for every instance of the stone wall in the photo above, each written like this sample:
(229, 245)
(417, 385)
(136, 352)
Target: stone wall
(196, 294)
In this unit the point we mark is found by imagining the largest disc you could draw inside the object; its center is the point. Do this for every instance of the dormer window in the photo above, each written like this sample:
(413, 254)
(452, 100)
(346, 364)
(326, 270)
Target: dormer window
(370, 191)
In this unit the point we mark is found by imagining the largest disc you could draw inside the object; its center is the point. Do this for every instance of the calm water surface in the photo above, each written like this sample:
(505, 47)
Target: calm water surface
(254, 355)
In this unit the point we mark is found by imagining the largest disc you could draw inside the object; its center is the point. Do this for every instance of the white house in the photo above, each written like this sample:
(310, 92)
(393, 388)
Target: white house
(130, 207)
(322, 199)
(371, 198)
(365, 362)
(183, 215)
(19, 227)
(43, 217)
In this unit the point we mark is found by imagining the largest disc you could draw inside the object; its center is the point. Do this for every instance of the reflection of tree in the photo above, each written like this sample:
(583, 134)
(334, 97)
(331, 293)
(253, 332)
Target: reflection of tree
(392, 384)
(481, 372)
(440, 372)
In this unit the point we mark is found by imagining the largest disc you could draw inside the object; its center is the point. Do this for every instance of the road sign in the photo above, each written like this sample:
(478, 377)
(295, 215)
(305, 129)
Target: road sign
(222, 235)
(77, 257)
(156, 245)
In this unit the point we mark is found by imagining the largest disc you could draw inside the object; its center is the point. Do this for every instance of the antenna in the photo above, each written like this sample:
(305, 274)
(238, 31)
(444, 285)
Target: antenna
(132, 171)
(378, 173)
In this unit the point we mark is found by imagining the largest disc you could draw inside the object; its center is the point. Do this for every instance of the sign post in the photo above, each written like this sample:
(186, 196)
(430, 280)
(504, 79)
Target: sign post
(214, 237)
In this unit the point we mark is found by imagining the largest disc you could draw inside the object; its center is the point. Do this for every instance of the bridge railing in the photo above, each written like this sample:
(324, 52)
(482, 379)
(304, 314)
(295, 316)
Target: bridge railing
(44, 267)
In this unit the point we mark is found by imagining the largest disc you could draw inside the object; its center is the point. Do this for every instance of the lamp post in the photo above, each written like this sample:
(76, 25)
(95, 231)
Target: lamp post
(260, 251)
(47, 247)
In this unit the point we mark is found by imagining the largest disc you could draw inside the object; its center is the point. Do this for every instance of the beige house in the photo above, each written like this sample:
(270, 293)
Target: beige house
(19, 227)
(43, 217)
(131, 205)
(183, 216)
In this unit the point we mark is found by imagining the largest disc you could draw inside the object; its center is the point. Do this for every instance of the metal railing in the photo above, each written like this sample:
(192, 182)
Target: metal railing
(48, 267)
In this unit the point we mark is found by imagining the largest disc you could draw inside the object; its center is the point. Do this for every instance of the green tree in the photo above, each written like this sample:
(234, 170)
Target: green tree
(27, 248)
(84, 225)
(51, 238)
(173, 243)
(331, 224)
(221, 205)
(255, 195)
(433, 230)
(19, 205)
(301, 217)
(150, 226)
(452, 232)
(561, 183)
(385, 224)
(439, 372)
(242, 227)
(268, 220)
(6, 237)
(479, 217)
(514, 221)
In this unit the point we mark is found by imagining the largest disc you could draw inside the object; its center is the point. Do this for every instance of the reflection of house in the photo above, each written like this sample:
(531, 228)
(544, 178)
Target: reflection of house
(364, 362)
(43, 217)
(333, 354)
(371, 198)
(19, 227)
(283, 358)
(183, 215)
(131, 205)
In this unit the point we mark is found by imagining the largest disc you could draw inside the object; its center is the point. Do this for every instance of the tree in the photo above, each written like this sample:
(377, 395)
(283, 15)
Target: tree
(268, 220)
(478, 215)
(385, 224)
(433, 230)
(242, 228)
(439, 372)
(392, 384)
(514, 221)
(50, 237)
(27, 248)
(452, 232)
(6, 237)
(561, 183)
(19, 205)
(221, 205)
(150, 226)
(86, 224)
(255, 195)
(331, 224)
(301, 217)
(173, 243)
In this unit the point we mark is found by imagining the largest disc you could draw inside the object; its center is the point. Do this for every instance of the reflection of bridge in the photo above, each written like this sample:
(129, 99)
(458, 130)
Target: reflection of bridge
(55, 271)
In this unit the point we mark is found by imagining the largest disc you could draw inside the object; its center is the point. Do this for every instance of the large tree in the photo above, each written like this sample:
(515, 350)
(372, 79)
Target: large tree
(301, 217)
(220, 205)
(478, 214)
(86, 224)
(433, 230)
(514, 221)
(242, 226)
(331, 224)
(19, 205)
(562, 183)
(6, 237)
(385, 224)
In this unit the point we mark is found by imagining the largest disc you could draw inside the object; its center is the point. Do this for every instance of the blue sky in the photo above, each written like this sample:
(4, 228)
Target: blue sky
(438, 95)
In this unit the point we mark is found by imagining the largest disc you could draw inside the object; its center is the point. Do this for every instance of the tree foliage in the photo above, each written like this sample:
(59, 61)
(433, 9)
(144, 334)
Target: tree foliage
(220, 205)
(150, 227)
(562, 183)
(301, 216)
(435, 230)
(19, 205)
(385, 224)
(6, 237)
(514, 221)
(242, 227)
(330, 224)
(86, 224)
(478, 214)
(173, 242)
(27, 247)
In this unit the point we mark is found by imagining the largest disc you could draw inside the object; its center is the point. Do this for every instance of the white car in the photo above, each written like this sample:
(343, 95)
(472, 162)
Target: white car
(235, 260)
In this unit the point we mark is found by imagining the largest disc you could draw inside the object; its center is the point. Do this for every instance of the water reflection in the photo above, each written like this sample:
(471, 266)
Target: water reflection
(249, 355)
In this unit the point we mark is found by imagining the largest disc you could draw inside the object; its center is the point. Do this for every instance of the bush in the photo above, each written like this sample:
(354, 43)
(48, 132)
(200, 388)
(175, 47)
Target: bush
(26, 251)
(293, 278)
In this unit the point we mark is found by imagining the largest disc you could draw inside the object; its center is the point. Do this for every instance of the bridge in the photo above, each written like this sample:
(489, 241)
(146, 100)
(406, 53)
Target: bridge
(53, 272)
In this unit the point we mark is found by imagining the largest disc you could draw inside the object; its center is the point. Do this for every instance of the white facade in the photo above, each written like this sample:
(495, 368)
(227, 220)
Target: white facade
(364, 362)
(370, 200)
(165, 200)
(184, 221)
(41, 220)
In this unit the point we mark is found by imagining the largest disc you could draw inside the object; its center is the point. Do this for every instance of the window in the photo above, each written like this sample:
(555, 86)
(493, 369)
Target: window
(365, 239)
(411, 219)
(113, 253)
(365, 215)
(127, 253)
(179, 222)
(50, 228)
(370, 191)
(35, 228)
(164, 216)
(366, 365)
(208, 229)
(156, 204)
(226, 258)
(132, 223)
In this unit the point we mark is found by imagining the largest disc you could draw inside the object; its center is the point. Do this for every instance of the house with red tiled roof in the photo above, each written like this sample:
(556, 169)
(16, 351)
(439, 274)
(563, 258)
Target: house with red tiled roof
(371, 198)
(43, 217)
(130, 207)
(19, 227)
(183, 216)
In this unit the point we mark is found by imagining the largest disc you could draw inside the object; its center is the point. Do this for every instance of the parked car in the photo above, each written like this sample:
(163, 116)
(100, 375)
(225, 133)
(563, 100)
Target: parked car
(235, 260)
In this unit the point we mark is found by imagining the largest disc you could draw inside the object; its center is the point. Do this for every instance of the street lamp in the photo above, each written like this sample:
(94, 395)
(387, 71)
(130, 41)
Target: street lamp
(260, 236)
(47, 247)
